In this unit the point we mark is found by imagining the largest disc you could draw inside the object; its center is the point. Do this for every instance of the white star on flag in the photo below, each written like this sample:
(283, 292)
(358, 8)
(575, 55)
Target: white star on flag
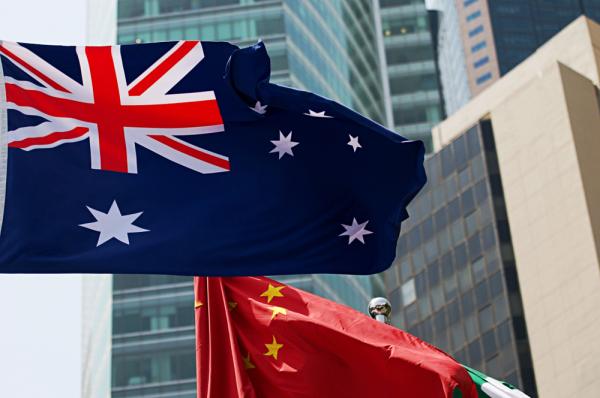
(284, 145)
(259, 108)
(317, 114)
(113, 224)
(356, 231)
(354, 142)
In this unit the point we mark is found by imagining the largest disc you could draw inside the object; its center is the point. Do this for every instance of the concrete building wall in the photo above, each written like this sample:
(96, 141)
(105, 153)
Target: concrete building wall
(572, 47)
(478, 46)
(545, 115)
(553, 236)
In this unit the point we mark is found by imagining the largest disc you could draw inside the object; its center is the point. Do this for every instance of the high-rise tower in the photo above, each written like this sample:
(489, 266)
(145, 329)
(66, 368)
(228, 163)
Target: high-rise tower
(492, 37)
(327, 47)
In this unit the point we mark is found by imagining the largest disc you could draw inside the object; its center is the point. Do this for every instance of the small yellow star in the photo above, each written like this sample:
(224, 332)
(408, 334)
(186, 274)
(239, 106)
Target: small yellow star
(273, 348)
(232, 305)
(276, 311)
(198, 304)
(247, 363)
(271, 292)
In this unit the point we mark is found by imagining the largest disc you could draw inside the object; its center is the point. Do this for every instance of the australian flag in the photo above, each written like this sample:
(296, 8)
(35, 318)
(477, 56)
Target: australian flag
(181, 158)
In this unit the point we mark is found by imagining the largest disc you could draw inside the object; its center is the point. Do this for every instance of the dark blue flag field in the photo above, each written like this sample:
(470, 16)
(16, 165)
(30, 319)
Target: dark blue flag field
(181, 158)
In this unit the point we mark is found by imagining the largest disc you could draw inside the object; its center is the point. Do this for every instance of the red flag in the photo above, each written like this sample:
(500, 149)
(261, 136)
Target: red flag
(256, 337)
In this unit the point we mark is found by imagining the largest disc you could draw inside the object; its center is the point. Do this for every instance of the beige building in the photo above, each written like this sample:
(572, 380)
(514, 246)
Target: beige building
(545, 116)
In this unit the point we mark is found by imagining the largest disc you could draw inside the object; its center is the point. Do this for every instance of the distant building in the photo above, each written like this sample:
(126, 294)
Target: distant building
(327, 47)
(450, 54)
(499, 263)
(496, 36)
(455, 283)
(416, 98)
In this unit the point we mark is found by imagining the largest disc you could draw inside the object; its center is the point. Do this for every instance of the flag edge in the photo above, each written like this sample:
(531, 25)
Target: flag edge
(3, 143)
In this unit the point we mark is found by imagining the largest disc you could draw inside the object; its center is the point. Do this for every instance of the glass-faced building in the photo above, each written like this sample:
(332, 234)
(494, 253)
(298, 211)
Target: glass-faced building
(411, 65)
(496, 36)
(454, 282)
(327, 47)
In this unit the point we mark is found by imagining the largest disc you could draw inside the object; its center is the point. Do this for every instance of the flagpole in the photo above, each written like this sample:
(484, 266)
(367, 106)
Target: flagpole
(380, 309)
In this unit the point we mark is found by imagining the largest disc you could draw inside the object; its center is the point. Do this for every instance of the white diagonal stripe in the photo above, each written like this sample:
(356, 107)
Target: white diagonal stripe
(41, 65)
(179, 157)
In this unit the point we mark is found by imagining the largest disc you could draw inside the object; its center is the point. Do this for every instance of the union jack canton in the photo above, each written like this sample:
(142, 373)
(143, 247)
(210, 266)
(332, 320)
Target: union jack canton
(112, 114)
(110, 163)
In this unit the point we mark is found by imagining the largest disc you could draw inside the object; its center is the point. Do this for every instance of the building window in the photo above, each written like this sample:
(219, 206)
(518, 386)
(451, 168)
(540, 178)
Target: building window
(478, 46)
(469, 2)
(473, 15)
(484, 78)
(481, 61)
(409, 293)
(476, 31)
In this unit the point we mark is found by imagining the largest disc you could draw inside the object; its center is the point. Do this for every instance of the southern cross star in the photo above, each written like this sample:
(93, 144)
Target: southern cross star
(259, 108)
(317, 114)
(354, 142)
(284, 145)
(356, 231)
(113, 224)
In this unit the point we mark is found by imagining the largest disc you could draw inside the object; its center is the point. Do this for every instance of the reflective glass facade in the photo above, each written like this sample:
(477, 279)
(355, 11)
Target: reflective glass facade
(450, 53)
(521, 26)
(478, 41)
(409, 51)
(327, 47)
(454, 282)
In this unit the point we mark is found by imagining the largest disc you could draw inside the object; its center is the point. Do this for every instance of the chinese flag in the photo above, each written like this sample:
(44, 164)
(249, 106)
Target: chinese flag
(256, 337)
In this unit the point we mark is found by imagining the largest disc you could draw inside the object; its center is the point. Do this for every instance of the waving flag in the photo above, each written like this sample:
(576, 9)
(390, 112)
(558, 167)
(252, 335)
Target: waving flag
(488, 387)
(181, 158)
(256, 337)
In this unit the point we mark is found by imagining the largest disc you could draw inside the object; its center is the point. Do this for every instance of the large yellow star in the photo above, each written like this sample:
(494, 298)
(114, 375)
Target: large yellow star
(273, 348)
(276, 311)
(271, 292)
(232, 305)
(247, 363)
(198, 304)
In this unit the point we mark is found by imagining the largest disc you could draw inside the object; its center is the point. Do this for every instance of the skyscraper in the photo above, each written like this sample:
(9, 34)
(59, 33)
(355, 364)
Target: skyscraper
(498, 264)
(496, 36)
(327, 47)
(411, 65)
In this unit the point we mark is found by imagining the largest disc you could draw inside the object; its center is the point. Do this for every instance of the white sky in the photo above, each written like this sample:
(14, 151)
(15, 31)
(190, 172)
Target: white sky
(40, 315)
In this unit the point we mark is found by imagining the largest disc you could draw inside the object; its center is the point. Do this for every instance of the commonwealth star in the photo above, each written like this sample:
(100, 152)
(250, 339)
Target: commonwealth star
(113, 224)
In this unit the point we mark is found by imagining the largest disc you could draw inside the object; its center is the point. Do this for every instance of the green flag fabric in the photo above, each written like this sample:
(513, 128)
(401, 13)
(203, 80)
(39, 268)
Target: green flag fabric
(488, 387)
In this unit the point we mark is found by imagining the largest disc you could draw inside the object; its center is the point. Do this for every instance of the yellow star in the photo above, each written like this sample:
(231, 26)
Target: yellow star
(273, 348)
(198, 304)
(247, 363)
(232, 305)
(271, 292)
(276, 311)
